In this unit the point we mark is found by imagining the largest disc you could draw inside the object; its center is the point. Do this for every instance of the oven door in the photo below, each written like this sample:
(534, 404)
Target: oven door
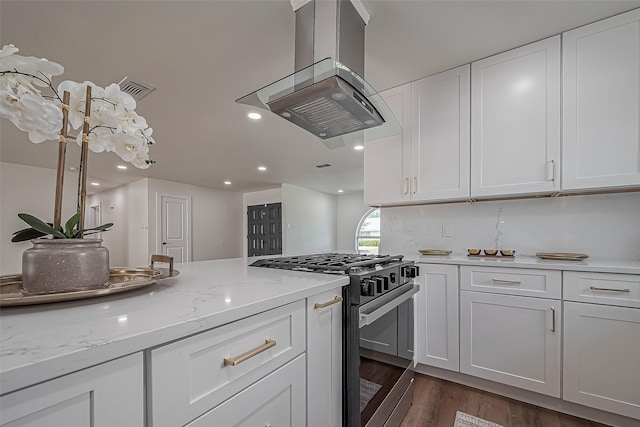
(386, 357)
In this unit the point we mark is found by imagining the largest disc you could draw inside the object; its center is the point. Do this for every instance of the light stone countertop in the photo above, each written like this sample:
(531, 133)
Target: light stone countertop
(593, 265)
(41, 342)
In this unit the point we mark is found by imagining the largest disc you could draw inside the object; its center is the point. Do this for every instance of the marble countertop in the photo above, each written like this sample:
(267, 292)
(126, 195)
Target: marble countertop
(41, 342)
(594, 265)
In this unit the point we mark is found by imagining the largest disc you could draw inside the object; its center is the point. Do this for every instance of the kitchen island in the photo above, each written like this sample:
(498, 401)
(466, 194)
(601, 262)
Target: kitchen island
(43, 342)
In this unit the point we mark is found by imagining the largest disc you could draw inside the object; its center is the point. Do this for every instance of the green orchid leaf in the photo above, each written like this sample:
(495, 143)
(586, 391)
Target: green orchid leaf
(40, 225)
(100, 228)
(26, 234)
(71, 224)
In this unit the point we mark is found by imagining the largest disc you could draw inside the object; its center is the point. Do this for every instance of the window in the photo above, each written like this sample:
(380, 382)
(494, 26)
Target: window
(368, 233)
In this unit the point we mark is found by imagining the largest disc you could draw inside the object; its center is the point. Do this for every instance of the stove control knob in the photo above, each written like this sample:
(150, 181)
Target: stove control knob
(410, 271)
(385, 283)
(380, 284)
(367, 288)
(392, 277)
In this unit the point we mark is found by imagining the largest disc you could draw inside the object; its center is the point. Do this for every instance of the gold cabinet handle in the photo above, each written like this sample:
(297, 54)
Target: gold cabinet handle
(406, 186)
(233, 361)
(269, 425)
(415, 185)
(328, 303)
(512, 282)
(553, 319)
(551, 171)
(593, 288)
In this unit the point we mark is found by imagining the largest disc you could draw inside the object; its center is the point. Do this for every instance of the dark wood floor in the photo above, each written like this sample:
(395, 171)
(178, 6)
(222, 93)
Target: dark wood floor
(436, 401)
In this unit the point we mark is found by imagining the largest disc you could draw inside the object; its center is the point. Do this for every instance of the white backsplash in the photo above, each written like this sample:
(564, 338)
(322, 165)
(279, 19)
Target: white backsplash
(603, 226)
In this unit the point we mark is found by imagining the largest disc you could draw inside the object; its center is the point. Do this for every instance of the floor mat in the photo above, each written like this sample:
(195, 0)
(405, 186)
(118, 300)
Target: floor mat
(466, 420)
(367, 391)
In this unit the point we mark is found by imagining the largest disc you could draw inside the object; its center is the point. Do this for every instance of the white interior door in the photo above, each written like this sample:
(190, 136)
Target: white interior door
(175, 239)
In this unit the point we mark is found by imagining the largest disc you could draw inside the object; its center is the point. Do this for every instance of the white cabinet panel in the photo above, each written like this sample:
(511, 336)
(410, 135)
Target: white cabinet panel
(601, 104)
(440, 147)
(601, 354)
(437, 317)
(324, 357)
(107, 395)
(513, 281)
(512, 340)
(602, 288)
(276, 400)
(387, 160)
(515, 121)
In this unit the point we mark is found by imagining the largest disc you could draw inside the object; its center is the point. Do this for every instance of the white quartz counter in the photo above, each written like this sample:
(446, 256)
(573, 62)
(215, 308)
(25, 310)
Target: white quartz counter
(594, 265)
(41, 342)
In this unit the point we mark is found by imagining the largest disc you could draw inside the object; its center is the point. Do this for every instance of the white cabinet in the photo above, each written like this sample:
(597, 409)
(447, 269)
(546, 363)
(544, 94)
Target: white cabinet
(440, 136)
(276, 400)
(324, 358)
(387, 161)
(601, 104)
(106, 395)
(437, 317)
(602, 341)
(515, 121)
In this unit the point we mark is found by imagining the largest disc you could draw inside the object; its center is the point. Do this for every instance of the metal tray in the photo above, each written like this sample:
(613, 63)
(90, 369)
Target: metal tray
(120, 280)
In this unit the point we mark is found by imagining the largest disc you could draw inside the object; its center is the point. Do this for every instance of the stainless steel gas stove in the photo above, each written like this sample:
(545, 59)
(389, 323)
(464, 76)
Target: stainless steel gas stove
(377, 334)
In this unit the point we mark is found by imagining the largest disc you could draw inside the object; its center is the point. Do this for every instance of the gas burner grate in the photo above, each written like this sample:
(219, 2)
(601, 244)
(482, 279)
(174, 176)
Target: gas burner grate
(327, 262)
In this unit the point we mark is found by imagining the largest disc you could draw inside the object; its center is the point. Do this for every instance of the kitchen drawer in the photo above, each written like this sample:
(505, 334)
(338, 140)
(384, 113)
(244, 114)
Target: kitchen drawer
(602, 288)
(512, 281)
(276, 400)
(190, 376)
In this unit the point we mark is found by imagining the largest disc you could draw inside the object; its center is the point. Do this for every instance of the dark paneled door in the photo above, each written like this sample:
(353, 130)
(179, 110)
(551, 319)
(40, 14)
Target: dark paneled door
(264, 227)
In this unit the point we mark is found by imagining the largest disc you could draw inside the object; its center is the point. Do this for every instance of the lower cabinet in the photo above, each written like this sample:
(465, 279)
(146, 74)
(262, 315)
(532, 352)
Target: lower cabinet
(437, 317)
(276, 400)
(512, 340)
(324, 359)
(106, 395)
(601, 357)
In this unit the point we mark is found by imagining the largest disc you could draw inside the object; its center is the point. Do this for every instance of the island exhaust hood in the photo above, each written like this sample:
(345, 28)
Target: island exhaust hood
(326, 94)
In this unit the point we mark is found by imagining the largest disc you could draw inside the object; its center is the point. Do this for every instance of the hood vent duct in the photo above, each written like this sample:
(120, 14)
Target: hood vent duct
(327, 95)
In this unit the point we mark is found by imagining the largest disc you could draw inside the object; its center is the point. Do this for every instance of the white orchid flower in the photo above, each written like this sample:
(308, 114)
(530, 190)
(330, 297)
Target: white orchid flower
(41, 69)
(31, 113)
(77, 99)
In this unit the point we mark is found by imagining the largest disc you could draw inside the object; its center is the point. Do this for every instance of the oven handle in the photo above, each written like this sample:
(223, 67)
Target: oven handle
(368, 315)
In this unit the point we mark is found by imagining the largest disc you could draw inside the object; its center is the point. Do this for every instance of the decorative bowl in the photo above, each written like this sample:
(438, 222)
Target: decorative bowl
(490, 251)
(473, 251)
(507, 252)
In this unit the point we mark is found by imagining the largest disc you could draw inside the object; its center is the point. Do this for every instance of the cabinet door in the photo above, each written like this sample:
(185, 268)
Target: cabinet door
(437, 317)
(512, 340)
(515, 121)
(440, 146)
(601, 353)
(276, 400)
(601, 104)
(107, 395)
(324, 358)
(387, 160)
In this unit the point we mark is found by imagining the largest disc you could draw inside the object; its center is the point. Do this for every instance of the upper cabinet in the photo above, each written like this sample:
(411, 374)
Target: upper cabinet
(440, 136)
(387, 160)
(515, 121)
(601, 104)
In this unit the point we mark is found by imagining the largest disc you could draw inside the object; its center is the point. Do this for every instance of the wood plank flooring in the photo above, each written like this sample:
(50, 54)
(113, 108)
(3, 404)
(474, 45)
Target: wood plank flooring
(436, 401)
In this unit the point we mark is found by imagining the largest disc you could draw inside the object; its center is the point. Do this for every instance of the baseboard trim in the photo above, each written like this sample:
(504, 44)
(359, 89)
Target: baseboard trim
(530, 397)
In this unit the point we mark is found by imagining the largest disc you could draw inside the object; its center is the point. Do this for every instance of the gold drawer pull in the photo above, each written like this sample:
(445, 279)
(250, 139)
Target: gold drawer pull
(328, 303)
(593, 288)
(406, 186)
(513, 282)
(233, 361)
(269, 425)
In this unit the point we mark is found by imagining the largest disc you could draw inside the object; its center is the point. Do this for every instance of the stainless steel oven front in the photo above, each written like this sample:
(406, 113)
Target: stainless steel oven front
(378, 346)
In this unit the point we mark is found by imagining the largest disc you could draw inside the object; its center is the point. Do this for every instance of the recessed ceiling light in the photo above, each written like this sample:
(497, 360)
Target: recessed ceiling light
(95, 183)
(123, 167)
(340, 191)
(254, 116)
(73, 168)
(358, 147)
(262, 168)
(227, 183)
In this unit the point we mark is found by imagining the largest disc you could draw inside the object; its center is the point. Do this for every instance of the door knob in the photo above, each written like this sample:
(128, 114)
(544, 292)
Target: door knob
(164, 243)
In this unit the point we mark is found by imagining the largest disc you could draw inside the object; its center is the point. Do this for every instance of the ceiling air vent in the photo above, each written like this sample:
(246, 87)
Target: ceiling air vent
(325, 165)
(137, 90)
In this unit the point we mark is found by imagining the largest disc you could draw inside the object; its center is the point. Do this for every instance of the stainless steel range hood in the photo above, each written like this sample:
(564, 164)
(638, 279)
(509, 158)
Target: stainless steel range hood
(327, 95)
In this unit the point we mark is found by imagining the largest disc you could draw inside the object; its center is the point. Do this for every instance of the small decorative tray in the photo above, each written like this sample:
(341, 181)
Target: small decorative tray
(441, 252)
(120, 280)
(491, 256)
(562, 256)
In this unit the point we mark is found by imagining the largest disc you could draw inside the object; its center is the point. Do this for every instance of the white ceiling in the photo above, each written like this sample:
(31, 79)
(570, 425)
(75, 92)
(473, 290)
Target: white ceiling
(202, 55)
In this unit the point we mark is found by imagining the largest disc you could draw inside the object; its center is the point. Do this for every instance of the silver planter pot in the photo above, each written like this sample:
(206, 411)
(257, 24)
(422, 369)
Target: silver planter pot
(63, 265)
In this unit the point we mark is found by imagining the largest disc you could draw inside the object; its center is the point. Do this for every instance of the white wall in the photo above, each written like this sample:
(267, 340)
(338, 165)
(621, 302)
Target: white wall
(138, 212)
(308, 220)
(350, 210)
(252, 199)
(602, 226)
(31, 190)
(216, 219)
